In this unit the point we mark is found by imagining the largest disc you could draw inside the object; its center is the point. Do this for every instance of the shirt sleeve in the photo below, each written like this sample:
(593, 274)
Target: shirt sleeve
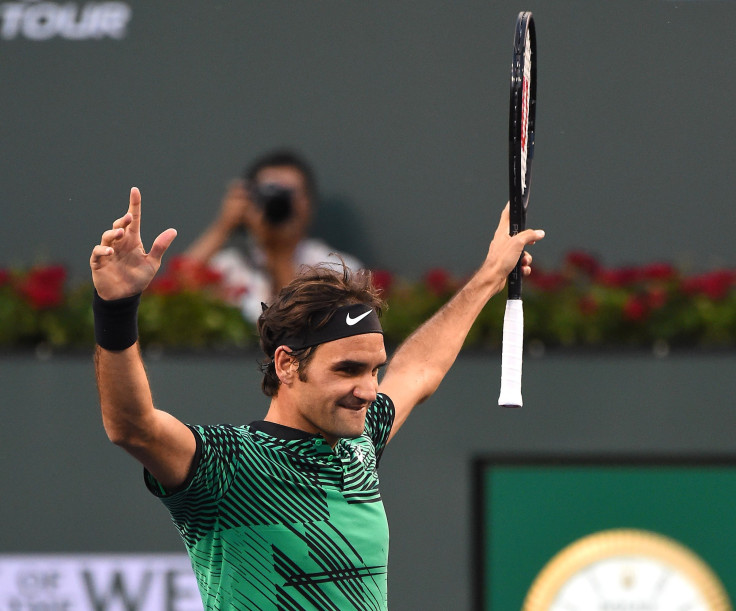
(212, 469)
(379, 421)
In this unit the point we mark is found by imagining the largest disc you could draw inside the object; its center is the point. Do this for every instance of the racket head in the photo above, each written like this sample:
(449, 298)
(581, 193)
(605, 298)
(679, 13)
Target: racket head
(522, 114)
(522, 110)
(522, 120)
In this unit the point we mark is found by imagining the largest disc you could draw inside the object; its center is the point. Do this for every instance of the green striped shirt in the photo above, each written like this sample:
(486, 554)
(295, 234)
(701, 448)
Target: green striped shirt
(274, 518)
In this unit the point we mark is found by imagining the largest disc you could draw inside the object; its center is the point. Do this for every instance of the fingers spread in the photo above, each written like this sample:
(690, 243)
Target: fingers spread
(161, 244)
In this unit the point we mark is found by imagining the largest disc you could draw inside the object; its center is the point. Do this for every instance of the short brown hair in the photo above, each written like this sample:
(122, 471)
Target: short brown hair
(308, 302)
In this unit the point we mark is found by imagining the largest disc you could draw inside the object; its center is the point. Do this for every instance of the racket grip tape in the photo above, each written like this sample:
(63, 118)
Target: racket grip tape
(511, 354)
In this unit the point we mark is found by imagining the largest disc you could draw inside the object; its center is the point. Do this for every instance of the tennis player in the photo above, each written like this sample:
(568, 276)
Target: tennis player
(283, 513)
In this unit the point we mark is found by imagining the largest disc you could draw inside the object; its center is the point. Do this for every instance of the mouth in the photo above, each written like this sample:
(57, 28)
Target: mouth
(353, 407)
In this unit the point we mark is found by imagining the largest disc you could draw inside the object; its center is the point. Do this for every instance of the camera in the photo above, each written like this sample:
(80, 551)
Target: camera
(275, 201)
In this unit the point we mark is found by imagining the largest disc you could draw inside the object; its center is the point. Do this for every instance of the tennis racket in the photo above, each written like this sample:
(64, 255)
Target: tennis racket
(521, 151)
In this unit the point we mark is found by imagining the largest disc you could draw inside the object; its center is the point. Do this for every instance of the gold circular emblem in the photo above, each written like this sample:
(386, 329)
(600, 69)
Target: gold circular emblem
(626, 570)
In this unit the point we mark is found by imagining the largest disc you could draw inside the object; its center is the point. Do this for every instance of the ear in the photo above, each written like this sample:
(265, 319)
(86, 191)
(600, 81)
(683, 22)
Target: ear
(286, 366)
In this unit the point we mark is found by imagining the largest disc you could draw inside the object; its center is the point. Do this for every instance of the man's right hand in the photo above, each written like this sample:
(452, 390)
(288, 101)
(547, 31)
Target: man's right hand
(233, 210)
(120, 265)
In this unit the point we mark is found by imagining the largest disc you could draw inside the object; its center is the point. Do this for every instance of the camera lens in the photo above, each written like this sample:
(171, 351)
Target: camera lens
(275, 201)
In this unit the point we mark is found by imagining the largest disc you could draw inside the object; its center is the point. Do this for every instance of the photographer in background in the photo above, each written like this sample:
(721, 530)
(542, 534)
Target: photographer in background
(260, 237)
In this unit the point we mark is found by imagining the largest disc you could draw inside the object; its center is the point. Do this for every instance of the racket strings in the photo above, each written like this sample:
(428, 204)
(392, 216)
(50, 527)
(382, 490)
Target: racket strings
(525, 93)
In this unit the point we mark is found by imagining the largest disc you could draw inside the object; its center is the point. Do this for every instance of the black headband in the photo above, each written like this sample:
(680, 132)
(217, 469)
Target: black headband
(353, 319)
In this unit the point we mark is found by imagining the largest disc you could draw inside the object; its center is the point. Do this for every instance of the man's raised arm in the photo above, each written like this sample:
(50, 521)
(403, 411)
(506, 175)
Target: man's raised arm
(121, 271)
(421, 362)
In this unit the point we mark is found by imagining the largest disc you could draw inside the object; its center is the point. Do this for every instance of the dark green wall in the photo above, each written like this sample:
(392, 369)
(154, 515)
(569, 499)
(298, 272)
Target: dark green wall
(65, 488)
(403, 108)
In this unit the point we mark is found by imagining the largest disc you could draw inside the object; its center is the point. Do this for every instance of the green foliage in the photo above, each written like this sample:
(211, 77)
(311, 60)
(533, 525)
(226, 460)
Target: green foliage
(582, 304)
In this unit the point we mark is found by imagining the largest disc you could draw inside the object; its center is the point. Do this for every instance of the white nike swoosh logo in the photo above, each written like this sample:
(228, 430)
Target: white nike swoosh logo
(357, 319)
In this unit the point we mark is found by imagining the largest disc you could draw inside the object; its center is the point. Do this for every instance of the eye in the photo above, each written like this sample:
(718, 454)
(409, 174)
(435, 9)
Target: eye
(356, 368)
(350, 369)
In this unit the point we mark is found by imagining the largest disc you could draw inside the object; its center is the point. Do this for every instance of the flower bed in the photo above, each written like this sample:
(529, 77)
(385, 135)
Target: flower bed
(581, 304)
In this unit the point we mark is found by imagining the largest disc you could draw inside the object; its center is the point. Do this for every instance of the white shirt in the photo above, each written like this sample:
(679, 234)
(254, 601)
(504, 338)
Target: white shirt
(245, 271)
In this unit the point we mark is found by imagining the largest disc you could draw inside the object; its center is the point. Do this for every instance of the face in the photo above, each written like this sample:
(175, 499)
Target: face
(290, 178)
(332, 394)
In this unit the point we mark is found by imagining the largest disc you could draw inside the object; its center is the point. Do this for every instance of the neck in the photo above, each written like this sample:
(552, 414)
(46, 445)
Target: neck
(279, 412)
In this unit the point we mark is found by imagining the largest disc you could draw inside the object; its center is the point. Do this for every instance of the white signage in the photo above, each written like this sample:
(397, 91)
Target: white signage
(39, 21)
(97, 582)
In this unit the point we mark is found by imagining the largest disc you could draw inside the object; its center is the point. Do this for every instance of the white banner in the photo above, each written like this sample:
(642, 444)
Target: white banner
(97, 582)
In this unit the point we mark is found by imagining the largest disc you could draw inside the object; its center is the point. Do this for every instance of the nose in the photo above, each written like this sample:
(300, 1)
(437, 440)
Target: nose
(366, 389)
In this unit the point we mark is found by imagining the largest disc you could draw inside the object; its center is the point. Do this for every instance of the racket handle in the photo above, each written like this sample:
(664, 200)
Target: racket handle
(511, 353)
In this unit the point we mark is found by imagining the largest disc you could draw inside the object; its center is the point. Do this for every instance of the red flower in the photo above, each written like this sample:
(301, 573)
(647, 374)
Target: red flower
(178, 263)
(658, 271)
(183, 273)
(192, 274)
(438, 281)
(4, 277)
(547, 281)
(164, 285)
(715, 284)
(635, 309)
(382, 280)
(624, 276)
(582, 261)
(43, 287)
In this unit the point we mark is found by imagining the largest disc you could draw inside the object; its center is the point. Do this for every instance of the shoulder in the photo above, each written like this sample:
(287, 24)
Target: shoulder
(379, 420)
(383, 404)
(220, 437)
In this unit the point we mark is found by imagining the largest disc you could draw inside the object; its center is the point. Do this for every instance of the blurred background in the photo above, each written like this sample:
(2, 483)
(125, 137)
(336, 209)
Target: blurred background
(402, 108)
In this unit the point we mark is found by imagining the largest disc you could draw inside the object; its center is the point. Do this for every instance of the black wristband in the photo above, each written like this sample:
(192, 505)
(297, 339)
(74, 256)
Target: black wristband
(116, 321)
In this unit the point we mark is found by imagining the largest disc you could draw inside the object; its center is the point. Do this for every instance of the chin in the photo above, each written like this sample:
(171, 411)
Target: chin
(355, 426)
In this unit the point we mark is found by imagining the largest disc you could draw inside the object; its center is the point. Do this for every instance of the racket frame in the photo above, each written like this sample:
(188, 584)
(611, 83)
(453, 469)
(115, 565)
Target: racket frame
(519, 183)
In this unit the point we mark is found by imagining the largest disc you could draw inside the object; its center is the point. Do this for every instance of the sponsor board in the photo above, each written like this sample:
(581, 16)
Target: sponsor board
(99, 582)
